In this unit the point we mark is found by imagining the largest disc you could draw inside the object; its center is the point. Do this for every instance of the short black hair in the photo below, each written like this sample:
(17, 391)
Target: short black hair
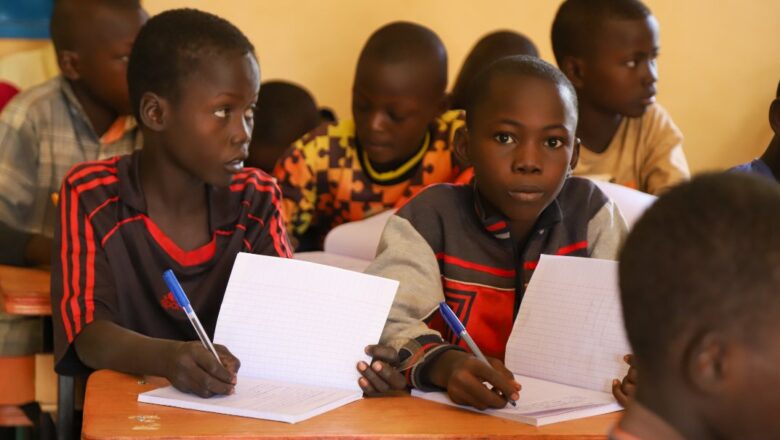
(705, 256)
(519, 65)
(171, 46)
(489, 48)
(577, 20)
(285, 112)
(403, 41)
(65, 13)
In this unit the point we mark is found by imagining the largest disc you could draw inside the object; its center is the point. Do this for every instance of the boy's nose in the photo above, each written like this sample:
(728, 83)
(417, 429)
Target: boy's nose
(650, 74)
(377, 121)
(527, 160)
(243, 132)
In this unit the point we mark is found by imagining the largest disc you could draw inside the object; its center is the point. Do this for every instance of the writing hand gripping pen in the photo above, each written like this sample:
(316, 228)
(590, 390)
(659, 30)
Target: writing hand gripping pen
(457, 327)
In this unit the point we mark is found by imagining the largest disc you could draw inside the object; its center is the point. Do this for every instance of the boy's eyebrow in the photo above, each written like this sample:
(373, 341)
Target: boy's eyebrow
(520, 124)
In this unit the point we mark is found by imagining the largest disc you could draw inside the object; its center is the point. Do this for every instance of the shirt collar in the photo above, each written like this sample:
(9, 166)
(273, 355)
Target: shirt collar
(222, 208)
(115, 132)
(498, 225)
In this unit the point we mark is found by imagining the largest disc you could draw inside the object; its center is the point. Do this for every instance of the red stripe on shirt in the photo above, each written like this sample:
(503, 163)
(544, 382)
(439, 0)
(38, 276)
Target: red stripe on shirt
(530, 265)
(496, 226)
(101, 206)
(75, 255)
(89, 288)
(90, 170)
(572, 247)
(116, 226)
(449, 259)
(414, 358)
(184, 258)
(64, 259)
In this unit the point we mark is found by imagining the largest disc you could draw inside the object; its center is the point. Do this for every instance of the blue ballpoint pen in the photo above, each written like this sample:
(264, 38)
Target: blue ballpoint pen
(184, 303)
(457, 327)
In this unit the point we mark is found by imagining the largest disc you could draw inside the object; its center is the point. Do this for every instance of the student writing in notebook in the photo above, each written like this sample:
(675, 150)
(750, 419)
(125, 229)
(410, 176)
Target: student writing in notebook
(609, 50)
(768, 165)
(184, 203)
(399, 141)
(699, 286)
(476, 245)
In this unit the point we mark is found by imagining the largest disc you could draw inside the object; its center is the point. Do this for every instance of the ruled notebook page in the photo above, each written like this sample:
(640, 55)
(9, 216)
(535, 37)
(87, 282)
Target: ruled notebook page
(300, 322)
(569, 328)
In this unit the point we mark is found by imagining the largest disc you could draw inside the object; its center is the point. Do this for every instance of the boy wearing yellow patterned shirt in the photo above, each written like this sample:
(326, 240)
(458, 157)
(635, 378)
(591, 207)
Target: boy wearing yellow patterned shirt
(399, 141)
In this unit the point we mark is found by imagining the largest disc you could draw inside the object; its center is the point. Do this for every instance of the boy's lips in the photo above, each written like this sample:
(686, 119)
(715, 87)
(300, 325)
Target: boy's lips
(234, 166)
(526, 194)
(648, 100)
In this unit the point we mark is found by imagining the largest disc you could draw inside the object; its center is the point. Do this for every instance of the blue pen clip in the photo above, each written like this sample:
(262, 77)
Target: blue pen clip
(178, 292)
(452, 321)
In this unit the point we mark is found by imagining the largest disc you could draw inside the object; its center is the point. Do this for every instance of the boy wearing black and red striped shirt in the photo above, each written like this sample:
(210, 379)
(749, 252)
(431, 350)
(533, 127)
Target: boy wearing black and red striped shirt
(476, 246)
(184, 202)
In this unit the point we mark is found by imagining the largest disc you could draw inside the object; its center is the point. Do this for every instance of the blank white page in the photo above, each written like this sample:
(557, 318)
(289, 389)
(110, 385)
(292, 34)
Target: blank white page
(301, 322)
(570, 327)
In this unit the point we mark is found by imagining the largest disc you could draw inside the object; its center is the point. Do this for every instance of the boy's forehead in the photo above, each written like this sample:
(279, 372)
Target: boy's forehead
(410, 79)
(510, 92)
(615, 34)
(101, 24)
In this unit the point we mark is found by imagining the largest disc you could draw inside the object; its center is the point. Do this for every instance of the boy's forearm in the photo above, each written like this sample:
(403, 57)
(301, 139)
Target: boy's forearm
(103, 344)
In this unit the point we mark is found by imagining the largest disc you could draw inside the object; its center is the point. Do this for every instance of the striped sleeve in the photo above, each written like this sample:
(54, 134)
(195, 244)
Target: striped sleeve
(265, 231)
(404, 255)
(82, 285)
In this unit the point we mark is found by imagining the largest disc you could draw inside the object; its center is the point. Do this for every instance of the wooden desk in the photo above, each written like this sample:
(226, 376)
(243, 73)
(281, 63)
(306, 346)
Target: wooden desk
(25, 291)
(112, 412)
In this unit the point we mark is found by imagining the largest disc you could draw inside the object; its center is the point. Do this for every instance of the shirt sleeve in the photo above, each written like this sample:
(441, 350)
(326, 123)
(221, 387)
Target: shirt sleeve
(404, 255)
(299, 190)
(265, 233)
(607, 231)
(18, 169)
(82, 285)
(664, 165)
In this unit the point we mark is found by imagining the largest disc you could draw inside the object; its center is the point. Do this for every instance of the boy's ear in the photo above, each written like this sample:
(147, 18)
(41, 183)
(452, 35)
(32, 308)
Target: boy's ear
(774, 116)
(154, 111)
(575, 153)
(707, 363)
(68, 61)
(574, 69)
(461, 144)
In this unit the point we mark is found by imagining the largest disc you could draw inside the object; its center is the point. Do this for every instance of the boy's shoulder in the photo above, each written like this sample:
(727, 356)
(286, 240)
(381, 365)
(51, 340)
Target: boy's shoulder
(437, 200)
(35, 103)
(328, 139)
(656, 121)
(580, 196)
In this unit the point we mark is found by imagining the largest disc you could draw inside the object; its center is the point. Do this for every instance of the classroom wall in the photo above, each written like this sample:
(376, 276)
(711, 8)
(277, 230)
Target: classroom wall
(719, 64)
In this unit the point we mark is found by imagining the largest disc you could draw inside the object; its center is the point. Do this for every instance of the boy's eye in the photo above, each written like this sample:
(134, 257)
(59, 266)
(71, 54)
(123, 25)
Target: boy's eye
(631, 64)
(221, 113)
(125, 58)
(250, 112)
(553, 143)
(395, 117)
(504, 138)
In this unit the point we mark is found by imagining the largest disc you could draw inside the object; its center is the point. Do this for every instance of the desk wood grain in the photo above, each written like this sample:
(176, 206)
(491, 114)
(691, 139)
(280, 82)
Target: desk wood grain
(111, 411)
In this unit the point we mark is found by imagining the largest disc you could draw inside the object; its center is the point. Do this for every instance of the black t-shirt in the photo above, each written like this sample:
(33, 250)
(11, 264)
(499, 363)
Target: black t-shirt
(110, 256)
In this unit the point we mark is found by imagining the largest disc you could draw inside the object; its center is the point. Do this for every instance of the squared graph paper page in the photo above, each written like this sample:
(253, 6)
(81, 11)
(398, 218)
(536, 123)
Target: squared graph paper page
(569, 328)
(301, 322)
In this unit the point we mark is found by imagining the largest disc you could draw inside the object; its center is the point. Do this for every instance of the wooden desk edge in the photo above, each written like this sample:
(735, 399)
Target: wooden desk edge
(118, 415)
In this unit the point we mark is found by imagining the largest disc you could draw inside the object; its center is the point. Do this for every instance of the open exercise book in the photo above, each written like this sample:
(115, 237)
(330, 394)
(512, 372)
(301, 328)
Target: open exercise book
(298, 328)
(567, 343)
